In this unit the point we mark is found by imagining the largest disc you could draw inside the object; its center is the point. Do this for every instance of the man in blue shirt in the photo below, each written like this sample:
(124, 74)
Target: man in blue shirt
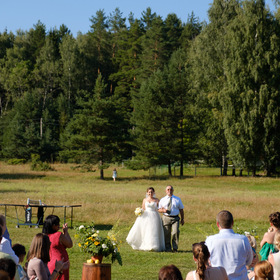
(228, 249)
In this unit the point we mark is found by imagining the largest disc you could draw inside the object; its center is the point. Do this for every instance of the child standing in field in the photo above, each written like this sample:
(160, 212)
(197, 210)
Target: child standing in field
(267, 245)
(114, 174)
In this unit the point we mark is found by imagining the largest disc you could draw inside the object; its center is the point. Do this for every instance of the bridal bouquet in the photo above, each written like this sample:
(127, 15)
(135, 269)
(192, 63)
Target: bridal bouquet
(138, 211)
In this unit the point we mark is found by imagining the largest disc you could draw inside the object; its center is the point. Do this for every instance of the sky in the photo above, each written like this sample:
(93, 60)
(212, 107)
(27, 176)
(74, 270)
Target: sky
(76, 14)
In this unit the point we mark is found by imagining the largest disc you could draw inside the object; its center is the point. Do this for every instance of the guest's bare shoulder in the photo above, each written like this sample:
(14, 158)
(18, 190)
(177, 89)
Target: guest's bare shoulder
(189, 276)
(268, 237)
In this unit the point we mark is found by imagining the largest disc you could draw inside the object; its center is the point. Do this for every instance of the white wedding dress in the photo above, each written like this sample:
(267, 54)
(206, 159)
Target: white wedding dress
(147, 232)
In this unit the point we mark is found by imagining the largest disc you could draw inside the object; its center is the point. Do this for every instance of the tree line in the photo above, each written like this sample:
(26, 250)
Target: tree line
(149, 91)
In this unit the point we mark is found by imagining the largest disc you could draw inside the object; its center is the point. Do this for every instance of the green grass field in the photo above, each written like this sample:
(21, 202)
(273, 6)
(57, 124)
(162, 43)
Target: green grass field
(106, 203)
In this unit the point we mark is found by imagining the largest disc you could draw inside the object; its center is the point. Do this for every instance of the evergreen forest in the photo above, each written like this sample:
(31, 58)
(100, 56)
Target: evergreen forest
(148, 91)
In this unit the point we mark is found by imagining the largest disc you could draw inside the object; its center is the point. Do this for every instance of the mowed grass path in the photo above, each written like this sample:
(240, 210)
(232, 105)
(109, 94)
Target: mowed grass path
(106, 203)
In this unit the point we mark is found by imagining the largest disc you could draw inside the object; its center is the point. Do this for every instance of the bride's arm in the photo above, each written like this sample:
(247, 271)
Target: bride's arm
(143, 204)
(157, 201)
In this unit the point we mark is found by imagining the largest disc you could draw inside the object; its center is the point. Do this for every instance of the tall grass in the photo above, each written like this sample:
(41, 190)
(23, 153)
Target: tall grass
(105, 202)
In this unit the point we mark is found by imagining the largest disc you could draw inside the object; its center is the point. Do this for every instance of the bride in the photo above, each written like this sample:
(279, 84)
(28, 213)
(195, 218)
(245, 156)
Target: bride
(147, 231)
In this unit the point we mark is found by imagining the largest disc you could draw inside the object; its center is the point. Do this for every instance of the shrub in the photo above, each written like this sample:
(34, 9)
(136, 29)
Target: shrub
(16, 161)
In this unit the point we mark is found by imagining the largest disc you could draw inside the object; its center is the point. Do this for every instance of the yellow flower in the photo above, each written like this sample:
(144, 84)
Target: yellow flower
(80, 245)
(86, 243)
(96, 243)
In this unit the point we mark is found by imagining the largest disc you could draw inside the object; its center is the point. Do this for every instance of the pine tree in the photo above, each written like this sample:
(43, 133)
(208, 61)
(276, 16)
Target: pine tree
(93, 135)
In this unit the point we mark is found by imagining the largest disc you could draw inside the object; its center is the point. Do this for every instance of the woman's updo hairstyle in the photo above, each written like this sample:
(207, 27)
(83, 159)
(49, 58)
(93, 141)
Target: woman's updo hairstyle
(151, 188)
(274, 218)
(263, 271)
(201, 253)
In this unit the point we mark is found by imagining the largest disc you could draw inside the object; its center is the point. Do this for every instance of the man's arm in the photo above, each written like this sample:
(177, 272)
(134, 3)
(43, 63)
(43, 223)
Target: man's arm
(182, 216)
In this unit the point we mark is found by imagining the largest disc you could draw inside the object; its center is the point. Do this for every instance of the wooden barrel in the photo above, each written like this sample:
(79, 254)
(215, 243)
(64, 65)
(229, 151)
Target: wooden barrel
(96, 271)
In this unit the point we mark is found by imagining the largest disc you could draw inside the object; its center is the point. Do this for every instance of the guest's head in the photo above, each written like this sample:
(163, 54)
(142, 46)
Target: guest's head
(19, 251)
(3, 223)
(51, 224)
(169, 190)
(263, 271)
(201, 256)
(40, 248)
(252, 240)
(170, 272)
(277, 239)
(7, 269)
(274, 219)
(224, 219)
(1, 232)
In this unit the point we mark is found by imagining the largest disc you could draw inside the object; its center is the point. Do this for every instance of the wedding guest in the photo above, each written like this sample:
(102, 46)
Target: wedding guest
(59, 242)
(267, 241)
(171, 206)
(253, 243)
(38, 258)
(6, 232)
(5, 245)
(228, 249)
(203, 270)
(21, 253)
(170, 272)
(274, 258)
(263, 271)
(7, 269)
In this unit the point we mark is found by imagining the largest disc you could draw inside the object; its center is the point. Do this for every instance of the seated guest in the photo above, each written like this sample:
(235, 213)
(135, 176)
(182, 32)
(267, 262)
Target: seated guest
(263, 271)
(170, 272)
(203, 271)
(267, 241)
(274, 259)
(38, 258)
(7, 256)
(5, 246)
(228, 249)
(20, 252)
(6, 232)
(253, 243)
(7, 269)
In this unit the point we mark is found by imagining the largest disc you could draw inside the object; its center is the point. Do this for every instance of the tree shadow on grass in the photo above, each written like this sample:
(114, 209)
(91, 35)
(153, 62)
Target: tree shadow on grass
(18, 176)
(13, 191)
(103, 227)
(184, 251)
(151, 178)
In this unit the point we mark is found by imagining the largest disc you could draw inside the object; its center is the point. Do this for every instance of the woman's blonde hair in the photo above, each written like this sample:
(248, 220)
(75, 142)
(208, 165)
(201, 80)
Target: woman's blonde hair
(277, 239)
(263, 271)
(252, 240)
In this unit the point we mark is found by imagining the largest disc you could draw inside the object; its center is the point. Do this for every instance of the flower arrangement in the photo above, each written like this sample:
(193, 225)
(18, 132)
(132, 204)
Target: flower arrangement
(138, 211)
(91, 242)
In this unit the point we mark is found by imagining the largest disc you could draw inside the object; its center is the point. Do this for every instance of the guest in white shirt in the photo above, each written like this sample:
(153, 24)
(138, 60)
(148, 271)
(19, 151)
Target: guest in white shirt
(5, 245)
(228, 249)
(171, 206)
